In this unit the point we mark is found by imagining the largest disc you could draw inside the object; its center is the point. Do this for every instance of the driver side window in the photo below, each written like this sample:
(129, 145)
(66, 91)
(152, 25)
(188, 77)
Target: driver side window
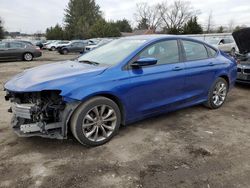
(165, 52)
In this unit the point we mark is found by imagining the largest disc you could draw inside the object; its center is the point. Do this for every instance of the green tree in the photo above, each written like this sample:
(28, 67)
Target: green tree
(104, 29)
(123, 25)
(1, 30)
(143, 24)
(192, 26)
(55, 33)
(220, 29)
(80, 15)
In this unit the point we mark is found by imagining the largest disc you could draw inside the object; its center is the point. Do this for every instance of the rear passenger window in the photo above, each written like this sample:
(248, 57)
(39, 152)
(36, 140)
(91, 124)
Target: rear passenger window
(194, 50)
(211, 52)
(16, 45)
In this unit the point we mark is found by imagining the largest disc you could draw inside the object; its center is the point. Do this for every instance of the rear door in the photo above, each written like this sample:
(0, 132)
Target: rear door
(3, 50)
(16, 50)
(200, 69)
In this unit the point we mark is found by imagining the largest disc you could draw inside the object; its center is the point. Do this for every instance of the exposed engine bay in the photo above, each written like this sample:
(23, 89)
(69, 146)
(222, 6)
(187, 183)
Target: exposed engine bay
(39, 113)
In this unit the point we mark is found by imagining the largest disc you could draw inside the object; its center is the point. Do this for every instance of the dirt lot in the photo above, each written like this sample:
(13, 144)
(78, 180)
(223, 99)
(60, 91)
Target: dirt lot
(194, 147)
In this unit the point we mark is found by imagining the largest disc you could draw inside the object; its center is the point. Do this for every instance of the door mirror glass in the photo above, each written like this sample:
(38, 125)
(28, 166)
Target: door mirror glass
(144, 62)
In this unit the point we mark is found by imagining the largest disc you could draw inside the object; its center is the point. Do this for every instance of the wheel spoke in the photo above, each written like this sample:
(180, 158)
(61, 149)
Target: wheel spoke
(85, 125)
(108, 127)
(91, 132)
(102, 109)
(110, 112)
(96, 111)
(104, 132)
(88, 117)
(96, 133)
(110, 119)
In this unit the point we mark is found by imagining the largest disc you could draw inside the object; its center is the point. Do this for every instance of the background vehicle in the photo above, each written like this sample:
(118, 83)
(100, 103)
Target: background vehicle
(74, 46)
(100, 43)
(18, 50)
(242, 38)
(126, 80)
(227, 44)
(54, 45)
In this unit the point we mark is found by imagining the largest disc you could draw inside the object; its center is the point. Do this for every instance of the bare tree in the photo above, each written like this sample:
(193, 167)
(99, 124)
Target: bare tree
(176, 15)
(150, 14)
(210, 22)
(231, 25)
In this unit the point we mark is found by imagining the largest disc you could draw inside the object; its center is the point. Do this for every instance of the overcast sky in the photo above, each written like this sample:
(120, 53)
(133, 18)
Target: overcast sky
(30, 16)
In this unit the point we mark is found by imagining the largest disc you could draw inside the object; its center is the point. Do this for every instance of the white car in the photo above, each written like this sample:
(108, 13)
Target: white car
(100, 43)
(226, 44)
(53, 46)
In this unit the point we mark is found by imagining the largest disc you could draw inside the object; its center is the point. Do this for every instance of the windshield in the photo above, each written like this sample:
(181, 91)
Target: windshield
(113, 52)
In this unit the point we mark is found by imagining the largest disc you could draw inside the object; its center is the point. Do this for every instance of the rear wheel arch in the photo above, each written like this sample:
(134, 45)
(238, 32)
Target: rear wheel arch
(225, 77)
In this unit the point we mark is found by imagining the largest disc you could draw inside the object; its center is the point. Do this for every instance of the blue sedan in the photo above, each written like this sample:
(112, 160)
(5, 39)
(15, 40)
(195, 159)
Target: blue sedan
(127, 80)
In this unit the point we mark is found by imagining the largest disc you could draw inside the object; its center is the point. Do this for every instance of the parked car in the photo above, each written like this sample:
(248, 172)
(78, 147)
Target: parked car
(54, 45)
(74, 46)
(10, 50)
(226, 44)
(242, 38)
(127, 80)
(47, 43)
(24, 41)
(100, 43)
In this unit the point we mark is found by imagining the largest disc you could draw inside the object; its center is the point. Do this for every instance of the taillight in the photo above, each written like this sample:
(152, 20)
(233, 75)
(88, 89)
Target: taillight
(237, 61)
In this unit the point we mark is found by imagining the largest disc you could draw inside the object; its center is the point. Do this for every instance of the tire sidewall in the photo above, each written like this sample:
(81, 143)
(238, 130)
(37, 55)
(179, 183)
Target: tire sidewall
(84, 109)
(210, 97)
(65, 51)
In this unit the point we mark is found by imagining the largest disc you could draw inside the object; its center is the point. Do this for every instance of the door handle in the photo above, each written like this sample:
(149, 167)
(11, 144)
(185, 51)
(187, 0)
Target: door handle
(211, 64)
(177, 68)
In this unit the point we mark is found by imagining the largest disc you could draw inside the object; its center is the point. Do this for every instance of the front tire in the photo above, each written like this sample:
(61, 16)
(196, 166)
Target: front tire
(28, 56)
(217, 94)
(96, 121)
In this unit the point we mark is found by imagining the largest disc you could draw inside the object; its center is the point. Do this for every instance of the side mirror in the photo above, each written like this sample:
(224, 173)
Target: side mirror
(144, 62)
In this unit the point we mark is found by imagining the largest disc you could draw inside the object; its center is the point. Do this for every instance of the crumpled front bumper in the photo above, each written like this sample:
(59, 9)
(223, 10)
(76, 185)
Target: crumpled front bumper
(54, 130)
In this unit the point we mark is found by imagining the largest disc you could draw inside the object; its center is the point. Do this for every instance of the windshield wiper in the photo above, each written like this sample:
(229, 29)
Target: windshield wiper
(89, 62)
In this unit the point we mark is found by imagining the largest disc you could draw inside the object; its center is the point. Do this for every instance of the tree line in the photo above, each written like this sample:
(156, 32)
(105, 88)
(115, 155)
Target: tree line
(83, 19)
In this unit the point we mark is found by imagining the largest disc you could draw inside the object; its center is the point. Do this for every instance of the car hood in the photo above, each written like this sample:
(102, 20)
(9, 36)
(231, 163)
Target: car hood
(56, 76)
(242, 39)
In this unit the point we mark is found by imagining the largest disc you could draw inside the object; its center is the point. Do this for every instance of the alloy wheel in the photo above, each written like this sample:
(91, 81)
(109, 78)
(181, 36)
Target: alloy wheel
(28, 57)
(99, 123)
(219, 93)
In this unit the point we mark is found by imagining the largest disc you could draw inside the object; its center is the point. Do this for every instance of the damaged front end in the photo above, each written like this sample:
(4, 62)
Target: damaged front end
(43, 114)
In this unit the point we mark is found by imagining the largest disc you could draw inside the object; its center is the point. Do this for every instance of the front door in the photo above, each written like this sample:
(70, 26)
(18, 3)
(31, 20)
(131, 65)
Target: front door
(159, 87)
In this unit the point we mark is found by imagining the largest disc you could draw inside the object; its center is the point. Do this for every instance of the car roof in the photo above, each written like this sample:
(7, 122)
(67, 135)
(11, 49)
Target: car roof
(159, 37)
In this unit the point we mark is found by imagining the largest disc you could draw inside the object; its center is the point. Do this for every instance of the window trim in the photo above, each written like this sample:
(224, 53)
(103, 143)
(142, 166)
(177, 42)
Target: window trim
(132, 60)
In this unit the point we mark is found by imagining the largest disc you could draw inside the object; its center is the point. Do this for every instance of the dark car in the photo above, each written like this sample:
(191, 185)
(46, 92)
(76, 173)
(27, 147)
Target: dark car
(242, 39)
(10, 50)
(73, 47)
(127, 80)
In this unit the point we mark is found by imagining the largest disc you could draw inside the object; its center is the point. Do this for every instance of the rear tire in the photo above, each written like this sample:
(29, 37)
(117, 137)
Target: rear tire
(53, 48)
(65, 52)
(96, 121)
(217, 94)
(28, 56)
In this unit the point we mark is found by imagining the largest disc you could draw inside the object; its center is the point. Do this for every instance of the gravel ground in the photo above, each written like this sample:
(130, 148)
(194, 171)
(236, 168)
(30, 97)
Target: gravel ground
(194, 147)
